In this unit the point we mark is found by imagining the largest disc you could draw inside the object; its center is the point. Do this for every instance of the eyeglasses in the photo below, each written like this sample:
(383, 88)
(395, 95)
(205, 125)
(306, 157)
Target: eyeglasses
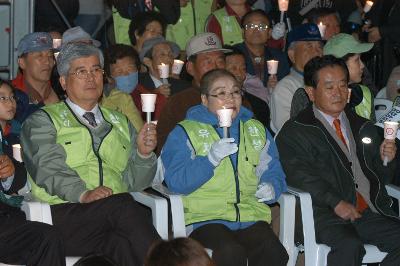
(84, 74)
(224, 95)
(4, 99)
(259, 27)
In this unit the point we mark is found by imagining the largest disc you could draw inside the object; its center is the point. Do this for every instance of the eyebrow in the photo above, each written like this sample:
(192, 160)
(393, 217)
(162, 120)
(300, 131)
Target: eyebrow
(82, 67)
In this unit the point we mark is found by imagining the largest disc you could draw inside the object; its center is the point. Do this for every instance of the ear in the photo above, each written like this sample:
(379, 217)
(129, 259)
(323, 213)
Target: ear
(148, 62)
(310, 92)
(136, 35)
(204, 100)
(190, 68)
(63, 83)
(21, 63)
(291, 55)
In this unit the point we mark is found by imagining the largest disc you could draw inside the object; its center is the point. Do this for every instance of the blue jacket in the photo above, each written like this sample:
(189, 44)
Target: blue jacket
(185, 172)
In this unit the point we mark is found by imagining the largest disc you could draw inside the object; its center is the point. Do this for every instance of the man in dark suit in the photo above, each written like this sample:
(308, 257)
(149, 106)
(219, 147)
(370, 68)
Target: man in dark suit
(337, 156)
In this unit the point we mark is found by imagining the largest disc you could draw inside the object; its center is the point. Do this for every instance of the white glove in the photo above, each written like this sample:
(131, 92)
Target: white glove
(265, 192)
(220, 149)
(278, 31)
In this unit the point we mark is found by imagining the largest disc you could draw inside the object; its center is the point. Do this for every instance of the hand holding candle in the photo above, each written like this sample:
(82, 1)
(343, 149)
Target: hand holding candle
(390, 133)
(148, 105)
(225, 119)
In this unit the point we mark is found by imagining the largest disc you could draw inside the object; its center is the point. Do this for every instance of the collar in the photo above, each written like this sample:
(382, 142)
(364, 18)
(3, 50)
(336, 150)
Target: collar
(297, 72)
(79, 111)
(156, 81)
(330, 118)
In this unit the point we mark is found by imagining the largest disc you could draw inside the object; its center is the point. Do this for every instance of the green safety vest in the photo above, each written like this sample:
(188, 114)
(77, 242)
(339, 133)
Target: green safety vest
(230, 28)
(76, 139)
(364, 109)
(228, 195)
(183, 30)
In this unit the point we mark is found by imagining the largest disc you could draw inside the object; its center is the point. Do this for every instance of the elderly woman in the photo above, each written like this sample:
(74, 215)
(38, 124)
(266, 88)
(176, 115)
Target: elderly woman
(226, 181)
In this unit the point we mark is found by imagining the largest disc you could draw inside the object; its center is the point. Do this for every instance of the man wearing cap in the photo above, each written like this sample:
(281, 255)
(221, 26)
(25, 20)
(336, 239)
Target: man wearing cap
(35, 61)
(345, 46)
(303, 43)
(78, 35)
(157, 51)
(337, 156)
(82, 158)
(204, 53)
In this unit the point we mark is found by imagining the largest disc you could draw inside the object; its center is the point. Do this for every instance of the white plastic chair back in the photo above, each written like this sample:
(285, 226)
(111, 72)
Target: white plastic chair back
(382, 106)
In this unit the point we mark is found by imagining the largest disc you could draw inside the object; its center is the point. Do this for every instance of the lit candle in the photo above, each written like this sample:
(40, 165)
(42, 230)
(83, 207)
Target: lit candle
(148, 104)
(56, 43)
(163, 70)
(225, 119)
(322, 29)
(272, 67)
(368, 6)
(283, 5)
(17, 152)
(177, 66)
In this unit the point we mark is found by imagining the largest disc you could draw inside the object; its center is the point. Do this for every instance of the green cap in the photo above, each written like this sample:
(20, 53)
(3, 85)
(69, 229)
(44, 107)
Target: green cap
(343, 44)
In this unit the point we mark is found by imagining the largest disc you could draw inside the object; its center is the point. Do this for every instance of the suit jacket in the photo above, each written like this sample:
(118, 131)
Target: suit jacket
(314, 162)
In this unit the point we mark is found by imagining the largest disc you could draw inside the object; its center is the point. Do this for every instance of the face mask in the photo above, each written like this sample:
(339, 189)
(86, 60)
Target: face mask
(127, 83)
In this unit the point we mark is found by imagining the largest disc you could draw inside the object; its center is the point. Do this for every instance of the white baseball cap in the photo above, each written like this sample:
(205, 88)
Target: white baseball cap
(204, 43)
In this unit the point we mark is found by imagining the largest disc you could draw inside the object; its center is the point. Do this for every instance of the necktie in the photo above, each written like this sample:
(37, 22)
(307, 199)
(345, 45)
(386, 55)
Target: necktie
(361, 204)
(89, 116)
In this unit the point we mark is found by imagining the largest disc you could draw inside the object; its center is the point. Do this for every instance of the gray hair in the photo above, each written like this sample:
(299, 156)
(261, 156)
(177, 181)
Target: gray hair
(72, 51)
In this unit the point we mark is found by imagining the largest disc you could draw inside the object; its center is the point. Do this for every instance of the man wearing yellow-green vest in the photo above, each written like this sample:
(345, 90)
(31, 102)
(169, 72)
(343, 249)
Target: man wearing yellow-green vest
(82, 158)
(226, 181)
(345, 46)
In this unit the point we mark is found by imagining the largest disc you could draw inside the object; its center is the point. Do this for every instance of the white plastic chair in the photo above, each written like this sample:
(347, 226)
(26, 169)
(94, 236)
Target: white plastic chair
(316, 254)
(41, 212)
(286, 201)
(382, 106)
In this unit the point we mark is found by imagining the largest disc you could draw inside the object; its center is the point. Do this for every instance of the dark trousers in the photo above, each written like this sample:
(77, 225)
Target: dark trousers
(347, 240)
(29, 243)
(256, 244)
(117, 227)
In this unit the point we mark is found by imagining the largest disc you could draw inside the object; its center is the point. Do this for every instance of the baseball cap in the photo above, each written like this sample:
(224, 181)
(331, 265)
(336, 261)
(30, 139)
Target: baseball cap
(35, 42)
(150, 43)
(304, 32)
(77, 34)
(203, 43)
(342, 44)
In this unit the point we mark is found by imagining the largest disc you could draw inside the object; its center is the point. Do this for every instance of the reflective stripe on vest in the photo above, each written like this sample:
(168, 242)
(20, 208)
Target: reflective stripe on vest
(230, 28)
(364, 109)
(224, 196)
(76, 139)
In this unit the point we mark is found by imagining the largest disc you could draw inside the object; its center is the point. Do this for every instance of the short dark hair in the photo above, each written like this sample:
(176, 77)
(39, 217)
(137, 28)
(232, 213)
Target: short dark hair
(6, 82)
(347, 56)
(119, 51)
(211, 76)
(317, 13)
(251, 13)
(312, 68)
(140, 22)
(178, 252)
(234, 51)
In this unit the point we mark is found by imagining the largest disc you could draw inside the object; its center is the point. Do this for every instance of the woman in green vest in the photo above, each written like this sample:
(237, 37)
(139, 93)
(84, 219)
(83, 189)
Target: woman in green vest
(345, 46)
(226, 182)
